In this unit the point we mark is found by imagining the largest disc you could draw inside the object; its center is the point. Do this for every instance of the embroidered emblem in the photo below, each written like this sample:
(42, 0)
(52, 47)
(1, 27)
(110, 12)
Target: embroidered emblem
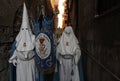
(24, 44)
(43, 46)
(49, 62)
(67, 43)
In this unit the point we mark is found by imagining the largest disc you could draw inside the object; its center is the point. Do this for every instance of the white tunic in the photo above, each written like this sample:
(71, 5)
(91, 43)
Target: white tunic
(68, 55)
(25, 68)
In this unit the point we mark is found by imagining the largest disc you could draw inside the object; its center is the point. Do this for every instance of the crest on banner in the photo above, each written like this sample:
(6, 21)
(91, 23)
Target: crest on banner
(43, 45)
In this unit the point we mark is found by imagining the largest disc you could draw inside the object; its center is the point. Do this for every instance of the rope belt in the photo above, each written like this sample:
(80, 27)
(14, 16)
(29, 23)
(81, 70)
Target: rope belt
(67, 56)
(26, 59)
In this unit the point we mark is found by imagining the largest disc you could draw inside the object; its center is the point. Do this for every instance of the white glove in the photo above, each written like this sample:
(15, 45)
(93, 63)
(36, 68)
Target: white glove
(14, 62)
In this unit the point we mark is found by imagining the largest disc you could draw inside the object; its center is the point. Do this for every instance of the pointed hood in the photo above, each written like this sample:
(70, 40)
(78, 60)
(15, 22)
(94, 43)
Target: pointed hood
(25, 38)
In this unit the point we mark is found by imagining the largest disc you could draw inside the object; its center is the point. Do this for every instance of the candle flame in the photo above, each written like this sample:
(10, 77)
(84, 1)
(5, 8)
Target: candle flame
(59, 5)
(61, 8)
(54, 4)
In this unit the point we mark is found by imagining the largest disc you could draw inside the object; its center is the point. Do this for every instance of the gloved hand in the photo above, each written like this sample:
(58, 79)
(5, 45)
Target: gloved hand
(14, 62)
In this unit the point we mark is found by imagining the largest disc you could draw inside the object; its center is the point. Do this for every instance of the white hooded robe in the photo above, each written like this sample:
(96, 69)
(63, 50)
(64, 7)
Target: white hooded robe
(23, 56)
(68, 55)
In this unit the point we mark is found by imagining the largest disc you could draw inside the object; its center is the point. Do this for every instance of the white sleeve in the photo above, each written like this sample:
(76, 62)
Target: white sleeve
(77, 55)
(14, 57)
(58, 56)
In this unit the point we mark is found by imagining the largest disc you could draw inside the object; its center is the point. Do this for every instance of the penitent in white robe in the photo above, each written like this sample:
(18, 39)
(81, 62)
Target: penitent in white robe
(68, 55)
(23, 56)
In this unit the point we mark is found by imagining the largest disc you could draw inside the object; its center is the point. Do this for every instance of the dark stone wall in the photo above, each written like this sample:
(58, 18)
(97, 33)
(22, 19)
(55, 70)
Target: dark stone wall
(6, 38)
(100, 36)
(7, 11)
